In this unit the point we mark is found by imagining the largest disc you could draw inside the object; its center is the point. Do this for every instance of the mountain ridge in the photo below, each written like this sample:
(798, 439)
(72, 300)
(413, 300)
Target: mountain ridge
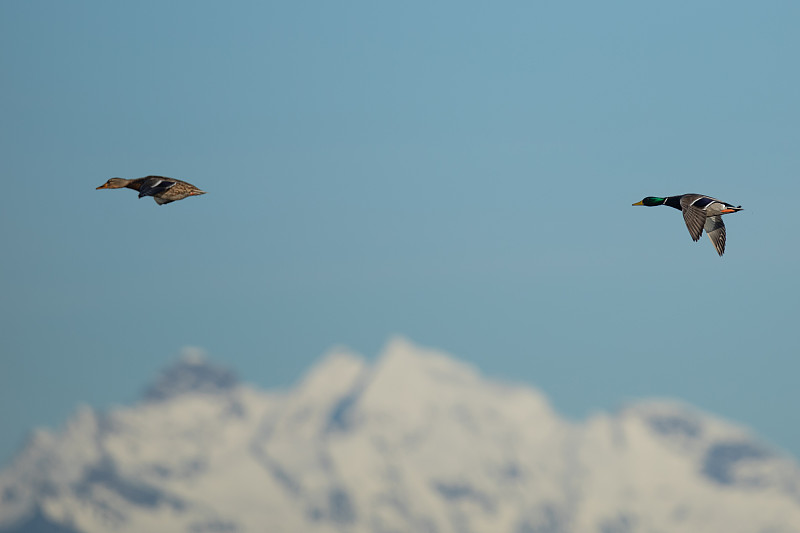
(416, 441)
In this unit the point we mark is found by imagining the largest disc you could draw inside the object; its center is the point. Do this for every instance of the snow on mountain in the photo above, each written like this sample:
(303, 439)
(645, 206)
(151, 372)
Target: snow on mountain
(416, 442)
(193, 374)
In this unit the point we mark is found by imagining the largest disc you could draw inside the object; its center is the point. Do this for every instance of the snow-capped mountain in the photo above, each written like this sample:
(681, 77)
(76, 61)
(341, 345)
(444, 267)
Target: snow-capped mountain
(417, 442)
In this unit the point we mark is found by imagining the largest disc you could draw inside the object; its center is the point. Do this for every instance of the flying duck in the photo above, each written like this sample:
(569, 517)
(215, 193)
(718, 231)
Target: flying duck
(700, 212)
(163, 190)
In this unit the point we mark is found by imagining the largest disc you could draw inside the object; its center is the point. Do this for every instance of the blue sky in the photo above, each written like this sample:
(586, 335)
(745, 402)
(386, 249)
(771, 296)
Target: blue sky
(459, 173)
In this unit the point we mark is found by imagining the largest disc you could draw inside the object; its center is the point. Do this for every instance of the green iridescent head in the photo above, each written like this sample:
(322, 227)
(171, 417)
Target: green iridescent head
(651, 201)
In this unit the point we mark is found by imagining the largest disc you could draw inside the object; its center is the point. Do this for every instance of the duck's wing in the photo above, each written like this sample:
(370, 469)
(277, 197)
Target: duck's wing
(694, 214)
(715, 229)
(155, 185)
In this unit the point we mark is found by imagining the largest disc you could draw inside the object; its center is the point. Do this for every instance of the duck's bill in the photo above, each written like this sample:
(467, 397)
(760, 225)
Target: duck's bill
(638, 203)
(103, 186)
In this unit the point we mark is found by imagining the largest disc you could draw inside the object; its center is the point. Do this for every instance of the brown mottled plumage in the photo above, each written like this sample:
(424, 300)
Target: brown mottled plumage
(163, 190)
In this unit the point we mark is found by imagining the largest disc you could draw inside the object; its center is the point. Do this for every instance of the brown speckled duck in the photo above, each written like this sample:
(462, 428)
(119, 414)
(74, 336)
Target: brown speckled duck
(163, 190)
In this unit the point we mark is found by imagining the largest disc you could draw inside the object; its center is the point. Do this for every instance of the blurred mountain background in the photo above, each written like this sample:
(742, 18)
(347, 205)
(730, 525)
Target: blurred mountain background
(418, 441)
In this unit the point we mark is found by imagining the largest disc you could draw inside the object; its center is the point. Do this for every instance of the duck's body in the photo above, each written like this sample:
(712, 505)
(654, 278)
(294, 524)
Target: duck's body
(163, 190)
(700, 212)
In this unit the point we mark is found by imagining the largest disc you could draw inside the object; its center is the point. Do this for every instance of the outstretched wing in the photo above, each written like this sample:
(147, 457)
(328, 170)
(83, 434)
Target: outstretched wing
(715, 229)
(154, 186)
(694, 216)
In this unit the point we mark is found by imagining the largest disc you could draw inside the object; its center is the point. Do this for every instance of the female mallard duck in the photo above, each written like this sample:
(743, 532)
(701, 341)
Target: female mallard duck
(700, 212)
(163, 190)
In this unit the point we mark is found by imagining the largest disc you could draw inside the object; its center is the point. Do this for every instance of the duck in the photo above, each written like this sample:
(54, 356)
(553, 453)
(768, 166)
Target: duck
(163, 190)
(700, 212)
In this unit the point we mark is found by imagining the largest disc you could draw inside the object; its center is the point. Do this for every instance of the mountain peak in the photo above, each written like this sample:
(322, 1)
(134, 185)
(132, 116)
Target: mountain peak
(339, 365)
(417, 441)
(402, 359)
(192, 373)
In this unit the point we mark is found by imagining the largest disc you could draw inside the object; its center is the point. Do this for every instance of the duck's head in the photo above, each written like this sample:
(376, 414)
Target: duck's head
(114, 183)
(651, 201)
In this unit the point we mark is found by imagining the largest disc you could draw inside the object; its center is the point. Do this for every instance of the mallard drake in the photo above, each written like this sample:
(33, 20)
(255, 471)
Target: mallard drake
(163, 190)
(700, 212)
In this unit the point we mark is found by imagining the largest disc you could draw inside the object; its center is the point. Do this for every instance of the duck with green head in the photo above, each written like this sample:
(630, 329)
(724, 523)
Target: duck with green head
(700, 212)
